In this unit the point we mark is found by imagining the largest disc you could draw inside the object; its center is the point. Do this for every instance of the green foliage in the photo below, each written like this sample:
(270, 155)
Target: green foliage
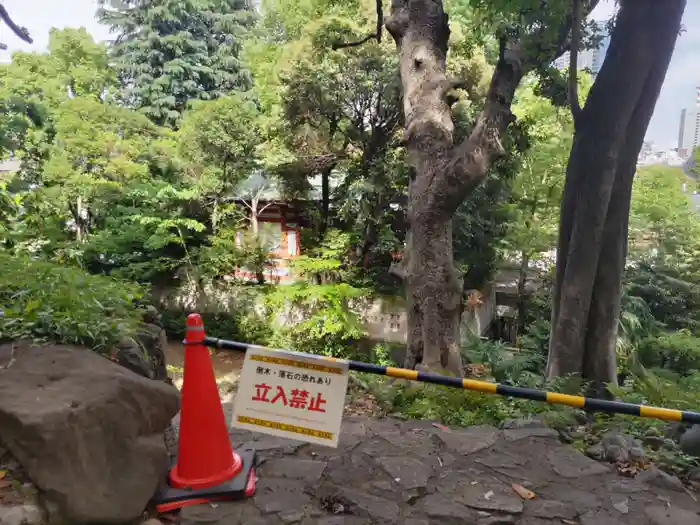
(514, 366)
(537, 189)
(169, 52)
(47, 302)
(316, 319)
(244, 326)
(218, 140)
(661, 215)
(694, 163)
(677, 351)
(324, 262)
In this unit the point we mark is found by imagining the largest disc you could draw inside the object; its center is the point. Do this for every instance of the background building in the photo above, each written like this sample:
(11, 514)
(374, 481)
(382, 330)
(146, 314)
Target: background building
(590, 59)
(689, 129)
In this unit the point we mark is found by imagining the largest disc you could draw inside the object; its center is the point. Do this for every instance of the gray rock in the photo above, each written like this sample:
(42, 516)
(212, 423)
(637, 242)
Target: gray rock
(490, 496)
(596, 452)
(660, 479)
(621, 447)
(669, 444)
(517, 434)
(281, 501)
(336, 520)
(694, 475)
(690, 441)
(106, 421)
(132, 356)
(675, 431)
(622, 506)
(375, 507)
(616, 453)
(601, 517)
(654, 442)
(154, 342)
(20, 515)
(228, 512)
(571, 464)
(308, 470)
(408, 472)
(440, 507)
(671, 516)
(637, 453)
(469, 440)
(549, 509)
(293, 516)
(497, 520)
(523, 423)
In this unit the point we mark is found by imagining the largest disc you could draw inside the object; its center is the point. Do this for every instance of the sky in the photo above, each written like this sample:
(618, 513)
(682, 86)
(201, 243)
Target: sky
(678, 91)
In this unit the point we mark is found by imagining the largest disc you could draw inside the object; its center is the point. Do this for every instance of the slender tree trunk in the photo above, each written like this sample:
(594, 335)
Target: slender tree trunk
(215, 215)
(254, 222)
(80, 222)
(595, 204)
(522, 282)
(325, 200)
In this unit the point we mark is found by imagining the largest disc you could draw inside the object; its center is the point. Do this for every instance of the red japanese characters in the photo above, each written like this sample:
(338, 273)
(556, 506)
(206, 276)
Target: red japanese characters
(297, 398)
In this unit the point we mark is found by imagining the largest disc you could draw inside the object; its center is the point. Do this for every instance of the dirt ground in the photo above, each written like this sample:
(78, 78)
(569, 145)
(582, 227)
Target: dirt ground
(227, 364)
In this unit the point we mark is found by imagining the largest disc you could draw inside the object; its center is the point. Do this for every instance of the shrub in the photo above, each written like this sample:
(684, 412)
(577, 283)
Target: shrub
(246, 328)
(317, 319)
(43, 301)
(515, 366)
(677, 351)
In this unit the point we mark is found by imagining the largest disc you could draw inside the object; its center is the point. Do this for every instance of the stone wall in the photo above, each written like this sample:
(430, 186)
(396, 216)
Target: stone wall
(383, 318)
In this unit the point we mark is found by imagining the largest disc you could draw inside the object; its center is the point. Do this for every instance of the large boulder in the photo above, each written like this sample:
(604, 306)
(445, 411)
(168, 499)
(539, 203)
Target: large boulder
(144, 354)
(88, 432)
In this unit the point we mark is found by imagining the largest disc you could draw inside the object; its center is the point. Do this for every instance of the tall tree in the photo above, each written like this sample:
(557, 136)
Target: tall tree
(170, 51)
(217, 141)
(445, 172)
(609, 131)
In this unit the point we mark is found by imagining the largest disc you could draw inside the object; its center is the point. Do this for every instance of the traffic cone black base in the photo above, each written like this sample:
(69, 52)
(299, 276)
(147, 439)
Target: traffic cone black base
(239, 487)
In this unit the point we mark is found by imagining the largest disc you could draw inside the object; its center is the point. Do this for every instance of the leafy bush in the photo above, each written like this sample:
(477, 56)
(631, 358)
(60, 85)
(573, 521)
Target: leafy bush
(673, 300)
(677, 351)
(515, 366)
(44, 301)
(247, 328)
(317, 319)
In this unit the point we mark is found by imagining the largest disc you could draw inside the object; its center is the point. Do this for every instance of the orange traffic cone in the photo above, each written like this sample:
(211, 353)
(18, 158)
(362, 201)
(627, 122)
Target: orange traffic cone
(206, 468)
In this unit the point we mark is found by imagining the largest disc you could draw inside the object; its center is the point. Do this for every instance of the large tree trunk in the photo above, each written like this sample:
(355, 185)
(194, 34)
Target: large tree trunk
(595, 207)
(443, 175)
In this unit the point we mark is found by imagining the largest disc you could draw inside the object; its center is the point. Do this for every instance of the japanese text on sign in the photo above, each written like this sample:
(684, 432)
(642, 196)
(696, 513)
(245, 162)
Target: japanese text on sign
(292, 395)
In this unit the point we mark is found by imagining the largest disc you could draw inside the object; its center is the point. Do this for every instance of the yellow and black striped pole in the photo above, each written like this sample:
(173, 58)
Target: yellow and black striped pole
(615, 407)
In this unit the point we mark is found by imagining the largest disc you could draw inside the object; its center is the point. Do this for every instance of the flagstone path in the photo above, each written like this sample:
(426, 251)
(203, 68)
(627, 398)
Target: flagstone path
(413, 473)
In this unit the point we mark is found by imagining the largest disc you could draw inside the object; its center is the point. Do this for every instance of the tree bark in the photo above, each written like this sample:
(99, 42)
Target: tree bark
(595, 206)
(444, 173)
(522, 282)
(254, 222)
(325, 200)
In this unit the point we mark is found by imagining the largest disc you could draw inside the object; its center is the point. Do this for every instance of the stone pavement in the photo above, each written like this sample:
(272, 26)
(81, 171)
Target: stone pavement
(414, 473)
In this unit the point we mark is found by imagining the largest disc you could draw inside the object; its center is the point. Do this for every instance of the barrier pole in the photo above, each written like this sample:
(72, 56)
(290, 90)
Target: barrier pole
(554, 398)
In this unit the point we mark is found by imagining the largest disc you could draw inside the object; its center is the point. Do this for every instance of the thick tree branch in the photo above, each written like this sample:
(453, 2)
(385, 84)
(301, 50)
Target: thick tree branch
(470, 160)
(576, 21)
(21, 32)
(397, 22)
(377, 35)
